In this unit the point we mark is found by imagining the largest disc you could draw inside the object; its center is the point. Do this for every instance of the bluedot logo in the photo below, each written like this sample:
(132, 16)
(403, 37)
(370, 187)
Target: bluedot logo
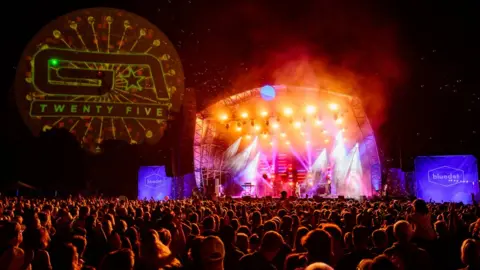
(154, 180)
(446, 176)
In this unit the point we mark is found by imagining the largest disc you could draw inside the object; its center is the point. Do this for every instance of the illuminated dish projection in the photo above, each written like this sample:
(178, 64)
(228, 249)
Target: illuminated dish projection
(102, 74)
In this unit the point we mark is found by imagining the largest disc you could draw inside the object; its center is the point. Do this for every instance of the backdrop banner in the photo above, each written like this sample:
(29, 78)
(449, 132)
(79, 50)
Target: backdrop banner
(447, 178)
(153, 182)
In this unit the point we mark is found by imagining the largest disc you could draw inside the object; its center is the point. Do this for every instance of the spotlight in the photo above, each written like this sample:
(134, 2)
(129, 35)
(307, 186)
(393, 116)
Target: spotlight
(264, 114)
(343, 129)
(326, 140)
(248, 137)
(223, 117)
(275, 125)
(339, 121)
(324, 131)
(288, 111)
(257, 128)
(333, 106)
(318, 122)
(265, 136)
(297, 124)
(244, 115)
(287, 143)
(310, 109)
(302, 133)
(283, 134)
(271, 143)
(239, 129)
(307, 142)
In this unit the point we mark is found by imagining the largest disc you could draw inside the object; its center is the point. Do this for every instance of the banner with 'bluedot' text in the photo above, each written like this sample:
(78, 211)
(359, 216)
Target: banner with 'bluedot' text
(153, 182)
(447, 178)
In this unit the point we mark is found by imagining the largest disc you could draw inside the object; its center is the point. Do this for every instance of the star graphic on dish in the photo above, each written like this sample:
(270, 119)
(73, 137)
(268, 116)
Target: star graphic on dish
(132, 80)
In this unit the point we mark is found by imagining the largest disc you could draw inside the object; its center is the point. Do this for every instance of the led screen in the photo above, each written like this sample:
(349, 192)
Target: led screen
(154, 183)
(446, 178)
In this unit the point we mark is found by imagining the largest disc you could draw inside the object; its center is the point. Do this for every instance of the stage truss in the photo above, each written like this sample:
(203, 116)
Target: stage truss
(209, 144)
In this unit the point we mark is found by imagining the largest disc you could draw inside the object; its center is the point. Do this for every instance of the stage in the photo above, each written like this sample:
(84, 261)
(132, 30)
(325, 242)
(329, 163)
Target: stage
(295, 139)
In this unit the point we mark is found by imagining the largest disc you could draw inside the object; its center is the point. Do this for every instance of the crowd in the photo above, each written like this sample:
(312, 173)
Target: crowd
(107, 234)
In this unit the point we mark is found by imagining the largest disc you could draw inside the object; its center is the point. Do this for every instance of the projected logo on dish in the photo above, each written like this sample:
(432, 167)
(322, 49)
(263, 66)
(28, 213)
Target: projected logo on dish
(446, 176)
(154, 180)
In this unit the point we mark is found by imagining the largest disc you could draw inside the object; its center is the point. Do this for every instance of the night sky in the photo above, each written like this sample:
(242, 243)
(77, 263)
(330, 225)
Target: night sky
(413, 63)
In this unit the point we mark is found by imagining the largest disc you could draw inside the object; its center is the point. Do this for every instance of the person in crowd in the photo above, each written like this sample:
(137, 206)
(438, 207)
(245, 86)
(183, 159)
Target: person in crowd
(232, 253)
(404, 253)
(382, 262)
(35, 245)
(365, 264)
(319, 266)
(470, 254)
(212, 253)
(11, 255)
(380, 241)
(271, 244)
(242, 243)
(154, 254)
(66, 257)
(360, 238)
(122, 259)
(254, 243)
(297, 246)
(319, 246)
(337, 238)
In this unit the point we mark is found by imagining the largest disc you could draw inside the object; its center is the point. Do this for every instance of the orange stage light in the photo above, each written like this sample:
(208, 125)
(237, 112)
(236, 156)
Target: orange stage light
(239, 129)
(339, 121)
(248, 137)
(283, 134)
(264, 113)
(318, 122)
(333, 106)
(257, 128)
(297, 124)
(288, 111)
(310, 109)
(275, 125)
(223, 117)
(244, 115)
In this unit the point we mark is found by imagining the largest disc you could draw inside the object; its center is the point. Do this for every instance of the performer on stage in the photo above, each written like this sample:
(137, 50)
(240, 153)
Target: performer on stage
(328, 186)
(297, 190)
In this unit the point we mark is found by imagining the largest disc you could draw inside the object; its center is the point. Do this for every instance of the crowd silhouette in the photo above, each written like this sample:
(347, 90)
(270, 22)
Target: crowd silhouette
(283, 234)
